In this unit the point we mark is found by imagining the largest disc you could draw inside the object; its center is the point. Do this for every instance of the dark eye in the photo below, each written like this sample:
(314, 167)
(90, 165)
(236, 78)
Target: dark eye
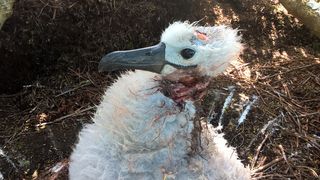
(187, 53)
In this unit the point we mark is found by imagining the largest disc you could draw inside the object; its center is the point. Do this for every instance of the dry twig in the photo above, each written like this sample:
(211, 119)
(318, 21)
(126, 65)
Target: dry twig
(76, 113)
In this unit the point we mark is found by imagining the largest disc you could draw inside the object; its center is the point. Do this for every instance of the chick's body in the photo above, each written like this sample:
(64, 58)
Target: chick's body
(139, 133)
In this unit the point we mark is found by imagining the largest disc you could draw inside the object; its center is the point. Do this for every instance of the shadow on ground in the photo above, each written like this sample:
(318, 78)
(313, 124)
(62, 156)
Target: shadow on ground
(49, 51)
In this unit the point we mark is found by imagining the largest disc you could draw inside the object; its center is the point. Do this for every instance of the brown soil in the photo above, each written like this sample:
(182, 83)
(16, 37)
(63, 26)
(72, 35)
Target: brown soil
(49, 52)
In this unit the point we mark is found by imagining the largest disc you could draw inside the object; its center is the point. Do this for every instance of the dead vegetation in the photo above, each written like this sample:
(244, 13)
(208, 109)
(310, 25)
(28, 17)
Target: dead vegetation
(280, 139)
(281, 65)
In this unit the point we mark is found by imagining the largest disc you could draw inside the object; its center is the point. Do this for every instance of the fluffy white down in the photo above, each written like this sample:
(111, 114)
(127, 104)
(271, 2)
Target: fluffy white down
(138, 133)
(212, 55)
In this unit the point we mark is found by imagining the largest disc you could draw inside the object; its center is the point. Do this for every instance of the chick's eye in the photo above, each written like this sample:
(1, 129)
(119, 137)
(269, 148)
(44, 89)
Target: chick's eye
(187, 53)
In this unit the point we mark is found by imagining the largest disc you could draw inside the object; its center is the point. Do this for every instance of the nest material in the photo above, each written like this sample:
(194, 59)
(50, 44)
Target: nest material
(281, 55)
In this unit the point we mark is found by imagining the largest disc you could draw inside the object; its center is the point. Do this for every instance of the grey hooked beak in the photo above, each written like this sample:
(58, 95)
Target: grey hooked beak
(150, 59)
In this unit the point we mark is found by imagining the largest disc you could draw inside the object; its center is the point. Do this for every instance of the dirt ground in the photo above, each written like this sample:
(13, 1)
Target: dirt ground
(49, 50)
